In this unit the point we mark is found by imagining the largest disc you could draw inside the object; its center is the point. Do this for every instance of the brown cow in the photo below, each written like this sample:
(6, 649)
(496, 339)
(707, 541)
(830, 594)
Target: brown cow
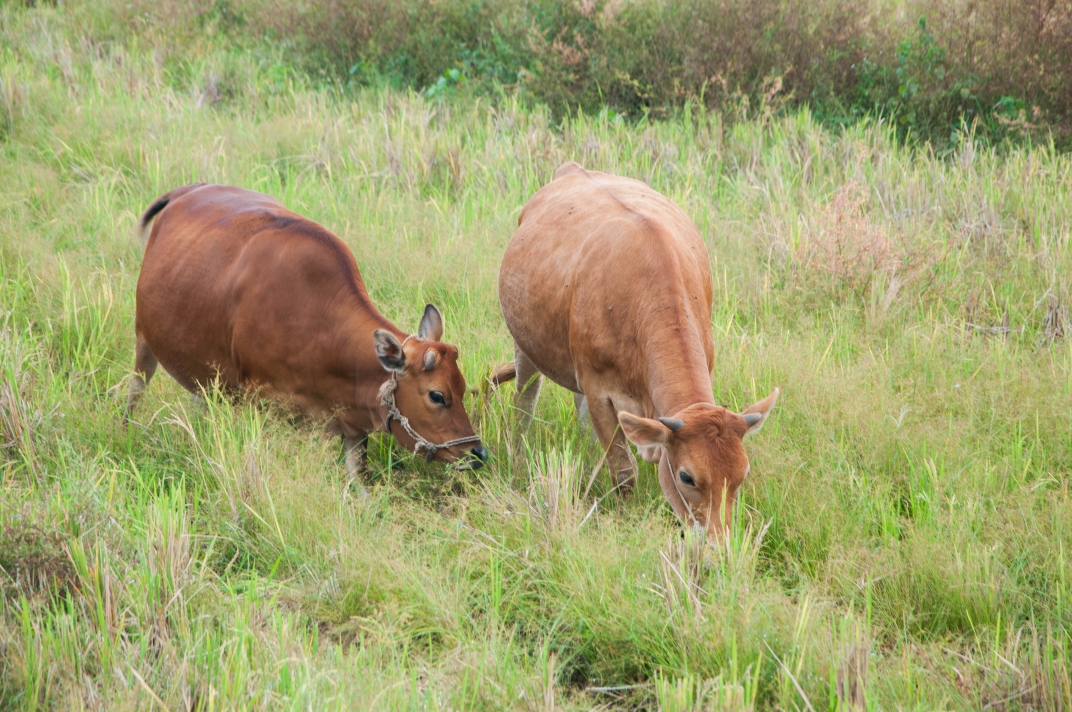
(234, 286)
(606, 289)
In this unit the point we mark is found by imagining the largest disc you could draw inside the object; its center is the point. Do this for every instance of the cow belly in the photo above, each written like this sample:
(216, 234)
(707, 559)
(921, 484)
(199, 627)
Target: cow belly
(548, 348)
(193, 356)
(539, 322)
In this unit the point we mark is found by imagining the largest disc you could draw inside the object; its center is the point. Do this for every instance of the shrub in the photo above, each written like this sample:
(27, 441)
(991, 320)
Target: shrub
(934, 67)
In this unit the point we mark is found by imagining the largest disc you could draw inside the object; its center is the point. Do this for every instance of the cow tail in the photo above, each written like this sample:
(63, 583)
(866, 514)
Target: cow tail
(145, 222)
(503, 374)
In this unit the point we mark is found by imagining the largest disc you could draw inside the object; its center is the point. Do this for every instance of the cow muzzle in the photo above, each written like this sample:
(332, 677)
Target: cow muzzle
(474, 459)
(422, 446)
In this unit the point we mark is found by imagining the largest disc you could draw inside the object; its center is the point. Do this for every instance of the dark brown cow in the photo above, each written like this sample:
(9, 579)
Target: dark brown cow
(234, 286)
(606, 289)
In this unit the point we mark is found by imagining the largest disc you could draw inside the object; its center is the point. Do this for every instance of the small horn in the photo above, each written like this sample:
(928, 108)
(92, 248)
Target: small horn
(431, 358)
(673, 423)
(752, 418)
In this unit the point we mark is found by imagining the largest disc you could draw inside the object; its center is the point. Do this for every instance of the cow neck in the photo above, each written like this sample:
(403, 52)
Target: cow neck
(364, 321)
(677, 376)
(359, 353)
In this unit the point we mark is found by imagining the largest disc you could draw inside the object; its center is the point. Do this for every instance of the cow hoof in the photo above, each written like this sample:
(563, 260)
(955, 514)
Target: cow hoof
(357, 491)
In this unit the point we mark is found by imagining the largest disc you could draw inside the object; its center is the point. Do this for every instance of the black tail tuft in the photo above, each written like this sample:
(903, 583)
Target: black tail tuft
(145, 222)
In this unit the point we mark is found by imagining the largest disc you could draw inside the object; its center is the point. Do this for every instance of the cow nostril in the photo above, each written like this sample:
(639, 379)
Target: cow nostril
(481, 453)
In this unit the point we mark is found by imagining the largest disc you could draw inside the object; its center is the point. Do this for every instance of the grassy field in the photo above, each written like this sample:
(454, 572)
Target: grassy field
(906, 531)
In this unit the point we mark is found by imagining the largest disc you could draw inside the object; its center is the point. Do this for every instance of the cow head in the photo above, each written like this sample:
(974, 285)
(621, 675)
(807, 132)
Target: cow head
(701, 457)
(431, 390)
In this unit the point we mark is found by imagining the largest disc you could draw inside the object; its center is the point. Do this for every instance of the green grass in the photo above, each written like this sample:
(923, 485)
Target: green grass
(910, 498)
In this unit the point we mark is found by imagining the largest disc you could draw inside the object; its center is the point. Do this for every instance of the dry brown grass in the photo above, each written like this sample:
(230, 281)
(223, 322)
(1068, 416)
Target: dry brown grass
(34, 560)
(844, 241)
(20, 418)
(1056, 324)
(851, 683)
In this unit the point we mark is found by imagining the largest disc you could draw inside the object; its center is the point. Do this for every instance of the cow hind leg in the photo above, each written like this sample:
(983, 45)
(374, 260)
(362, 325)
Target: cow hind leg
(529, 380)
(145, 364)
(620, 460)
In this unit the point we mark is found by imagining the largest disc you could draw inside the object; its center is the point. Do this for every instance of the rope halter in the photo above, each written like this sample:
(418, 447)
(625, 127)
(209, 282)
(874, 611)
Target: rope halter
(387, 402)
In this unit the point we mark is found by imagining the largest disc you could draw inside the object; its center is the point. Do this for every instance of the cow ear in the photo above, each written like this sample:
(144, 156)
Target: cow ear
(756, 414)
(644, 432)
(389, 350)
(431, 328)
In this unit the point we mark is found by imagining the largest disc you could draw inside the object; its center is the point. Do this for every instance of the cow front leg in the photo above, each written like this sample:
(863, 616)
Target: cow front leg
(620, 458)
(355, 451)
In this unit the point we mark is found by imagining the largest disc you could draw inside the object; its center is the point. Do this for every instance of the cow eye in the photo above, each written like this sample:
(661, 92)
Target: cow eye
(437, 397)
(686, 478)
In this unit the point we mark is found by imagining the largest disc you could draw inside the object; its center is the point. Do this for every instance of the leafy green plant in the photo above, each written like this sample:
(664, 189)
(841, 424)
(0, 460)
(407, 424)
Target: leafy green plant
(449, 83)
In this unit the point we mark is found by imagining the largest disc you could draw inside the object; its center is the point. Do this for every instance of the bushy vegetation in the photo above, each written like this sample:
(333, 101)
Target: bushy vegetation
(934, 69)
(903, 540)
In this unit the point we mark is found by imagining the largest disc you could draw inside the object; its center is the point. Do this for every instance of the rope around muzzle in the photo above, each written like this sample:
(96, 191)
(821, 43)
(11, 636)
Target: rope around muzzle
(387, 402)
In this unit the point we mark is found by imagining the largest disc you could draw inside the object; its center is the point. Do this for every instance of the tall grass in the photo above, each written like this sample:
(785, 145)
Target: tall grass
(903, 540)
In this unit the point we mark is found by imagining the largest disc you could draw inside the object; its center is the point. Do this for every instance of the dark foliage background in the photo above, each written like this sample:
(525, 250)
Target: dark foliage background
(934, 67)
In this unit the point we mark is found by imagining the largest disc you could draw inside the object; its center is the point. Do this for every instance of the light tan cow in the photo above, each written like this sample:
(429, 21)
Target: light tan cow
(606, 289)
(235, 287)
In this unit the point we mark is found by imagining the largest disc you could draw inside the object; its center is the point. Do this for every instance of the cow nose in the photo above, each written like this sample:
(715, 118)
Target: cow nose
(481, 454)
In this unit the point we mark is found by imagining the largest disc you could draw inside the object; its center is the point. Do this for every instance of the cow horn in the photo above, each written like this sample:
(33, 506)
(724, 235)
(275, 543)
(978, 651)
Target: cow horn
(431, 358)
(673, 423)
(752, 418)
